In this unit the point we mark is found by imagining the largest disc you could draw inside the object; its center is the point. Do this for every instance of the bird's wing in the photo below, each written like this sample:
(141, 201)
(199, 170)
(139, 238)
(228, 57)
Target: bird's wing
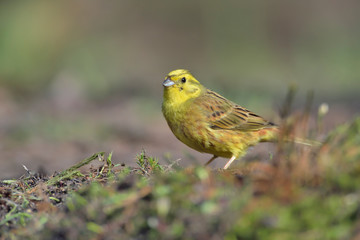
(224, 114)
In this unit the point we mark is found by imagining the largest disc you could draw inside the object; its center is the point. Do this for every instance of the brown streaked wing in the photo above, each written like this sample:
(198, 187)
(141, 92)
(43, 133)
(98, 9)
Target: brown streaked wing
(224, 114)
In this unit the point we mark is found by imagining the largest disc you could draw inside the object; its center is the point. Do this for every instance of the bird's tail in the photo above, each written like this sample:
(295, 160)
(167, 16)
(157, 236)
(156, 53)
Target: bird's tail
(275, 135)
(303, 141)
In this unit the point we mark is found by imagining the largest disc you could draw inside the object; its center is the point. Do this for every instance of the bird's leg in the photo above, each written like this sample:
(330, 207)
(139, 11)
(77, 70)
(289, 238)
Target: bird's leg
(229, 162)
(212, 159)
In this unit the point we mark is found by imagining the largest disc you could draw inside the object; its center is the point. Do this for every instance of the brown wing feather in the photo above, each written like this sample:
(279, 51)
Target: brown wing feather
(224, 114)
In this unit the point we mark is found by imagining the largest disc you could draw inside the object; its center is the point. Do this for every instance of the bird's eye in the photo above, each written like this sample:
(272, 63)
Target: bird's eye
(183, 79)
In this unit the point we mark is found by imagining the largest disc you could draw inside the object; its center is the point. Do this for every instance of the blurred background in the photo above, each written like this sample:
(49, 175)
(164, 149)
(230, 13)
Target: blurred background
(77, 77)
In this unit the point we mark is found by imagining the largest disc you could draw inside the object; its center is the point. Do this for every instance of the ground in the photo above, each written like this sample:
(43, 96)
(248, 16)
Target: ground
(299, 192)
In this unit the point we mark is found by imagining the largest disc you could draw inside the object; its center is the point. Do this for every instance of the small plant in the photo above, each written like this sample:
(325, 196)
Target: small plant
(148, 164)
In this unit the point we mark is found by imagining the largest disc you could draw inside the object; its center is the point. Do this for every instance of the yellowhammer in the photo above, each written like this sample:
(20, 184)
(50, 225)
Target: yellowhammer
(208, 122)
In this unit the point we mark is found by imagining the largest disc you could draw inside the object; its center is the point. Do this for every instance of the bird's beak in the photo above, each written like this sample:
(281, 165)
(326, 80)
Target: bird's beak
(168, 83)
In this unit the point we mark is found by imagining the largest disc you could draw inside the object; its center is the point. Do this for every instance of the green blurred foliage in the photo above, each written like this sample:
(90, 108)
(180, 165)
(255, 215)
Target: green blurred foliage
(126, 47)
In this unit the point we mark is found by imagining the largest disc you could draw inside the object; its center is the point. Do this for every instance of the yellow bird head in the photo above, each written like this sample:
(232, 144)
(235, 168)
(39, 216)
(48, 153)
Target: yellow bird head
(180, 85)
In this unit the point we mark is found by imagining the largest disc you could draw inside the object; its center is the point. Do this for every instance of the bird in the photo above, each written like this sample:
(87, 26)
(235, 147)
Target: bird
(208, 122)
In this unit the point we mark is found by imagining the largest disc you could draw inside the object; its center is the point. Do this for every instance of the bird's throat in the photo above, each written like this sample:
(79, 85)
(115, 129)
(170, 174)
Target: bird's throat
(175, 97)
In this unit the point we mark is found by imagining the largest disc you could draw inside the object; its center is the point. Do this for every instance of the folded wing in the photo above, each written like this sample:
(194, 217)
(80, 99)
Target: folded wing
(226, 115)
